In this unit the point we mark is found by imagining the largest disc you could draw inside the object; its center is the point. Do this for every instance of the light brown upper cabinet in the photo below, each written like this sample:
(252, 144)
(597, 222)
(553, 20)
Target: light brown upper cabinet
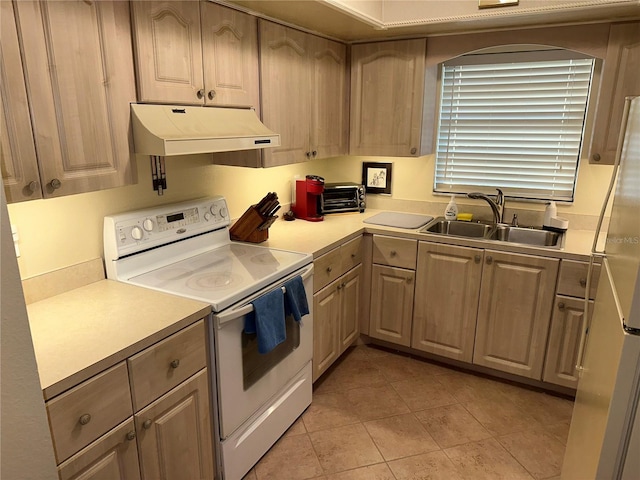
(195, 53)
(18, 152)
(619, 79)
(304, 94)
(387, 83)
(78, 71)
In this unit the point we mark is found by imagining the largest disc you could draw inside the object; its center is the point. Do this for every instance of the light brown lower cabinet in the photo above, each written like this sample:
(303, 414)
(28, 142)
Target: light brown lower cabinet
(446, 303)
(114, 456)
(391, 304)
(564, 341)
(514, 310)
(336, 324)
(174, 433)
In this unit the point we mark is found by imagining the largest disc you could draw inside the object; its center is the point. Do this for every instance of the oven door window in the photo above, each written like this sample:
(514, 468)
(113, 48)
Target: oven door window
(255, 365)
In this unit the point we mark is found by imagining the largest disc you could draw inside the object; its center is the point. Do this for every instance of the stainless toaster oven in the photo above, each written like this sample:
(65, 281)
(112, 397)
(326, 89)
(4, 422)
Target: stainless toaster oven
(342, 197)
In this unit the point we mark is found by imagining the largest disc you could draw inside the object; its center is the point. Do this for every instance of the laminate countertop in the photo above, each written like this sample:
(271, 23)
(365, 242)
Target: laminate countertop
(84, 331)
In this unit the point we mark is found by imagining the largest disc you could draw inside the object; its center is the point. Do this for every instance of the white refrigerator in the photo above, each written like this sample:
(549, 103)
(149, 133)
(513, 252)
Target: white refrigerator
(604, 438)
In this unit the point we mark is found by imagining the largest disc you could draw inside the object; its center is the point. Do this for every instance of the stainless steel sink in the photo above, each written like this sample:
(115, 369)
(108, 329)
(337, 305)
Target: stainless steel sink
(529, 236)
(458, 228)
(501, 233)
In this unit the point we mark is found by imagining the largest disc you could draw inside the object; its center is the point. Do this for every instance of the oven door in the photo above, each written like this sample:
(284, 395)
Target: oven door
(247, 380)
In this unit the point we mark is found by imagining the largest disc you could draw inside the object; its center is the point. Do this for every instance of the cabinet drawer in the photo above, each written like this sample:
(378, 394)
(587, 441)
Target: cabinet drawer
(86, 412)
(161, 367)
(573, 279)
(351, 253)
(326, 269)
(395, 252)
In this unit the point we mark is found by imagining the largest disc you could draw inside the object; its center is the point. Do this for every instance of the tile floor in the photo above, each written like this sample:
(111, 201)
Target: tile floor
(380, 415)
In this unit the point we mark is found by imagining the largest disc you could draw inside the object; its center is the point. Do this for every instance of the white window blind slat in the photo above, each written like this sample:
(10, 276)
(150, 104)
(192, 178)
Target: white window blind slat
(514, 124)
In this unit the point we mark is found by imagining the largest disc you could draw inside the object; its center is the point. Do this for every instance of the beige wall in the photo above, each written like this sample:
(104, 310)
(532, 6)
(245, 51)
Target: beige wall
(56, 233)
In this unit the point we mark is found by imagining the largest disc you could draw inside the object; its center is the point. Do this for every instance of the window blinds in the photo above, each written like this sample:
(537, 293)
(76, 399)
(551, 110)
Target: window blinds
(515, 124)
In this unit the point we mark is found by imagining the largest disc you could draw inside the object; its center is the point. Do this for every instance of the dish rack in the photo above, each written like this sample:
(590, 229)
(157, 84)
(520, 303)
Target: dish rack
(253, 225)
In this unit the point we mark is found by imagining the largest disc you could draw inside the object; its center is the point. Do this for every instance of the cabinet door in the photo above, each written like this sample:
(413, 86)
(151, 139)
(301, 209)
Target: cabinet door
(330, 107)
(286, 92)
(18, 153)
(619, 79)
(350, 307)
(387, 81)
(113, 456)
(168, 51)
(174, 433)
(564, 342)
(79, 70)
(445, 311)
(516, 298)
(326, 327)
(391, 304)
(230, 56)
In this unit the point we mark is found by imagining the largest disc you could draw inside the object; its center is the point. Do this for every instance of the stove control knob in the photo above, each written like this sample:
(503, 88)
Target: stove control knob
(213, 209)
(223, 212)
(147, 224)
(137, 233)
(207, 216)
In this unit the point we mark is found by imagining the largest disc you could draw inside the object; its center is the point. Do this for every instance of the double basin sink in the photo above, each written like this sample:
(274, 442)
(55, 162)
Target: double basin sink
(500, 232)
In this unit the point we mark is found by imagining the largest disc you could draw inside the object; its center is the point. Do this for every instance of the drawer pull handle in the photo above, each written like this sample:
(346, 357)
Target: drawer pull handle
(84, 419)
(175, 363)
(329, 269)
(147, 424)
(131, 435)
(393, 253)
(561, 305)
(583, 282)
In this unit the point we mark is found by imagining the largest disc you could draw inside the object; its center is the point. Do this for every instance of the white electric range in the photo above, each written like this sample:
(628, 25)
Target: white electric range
(185, 249)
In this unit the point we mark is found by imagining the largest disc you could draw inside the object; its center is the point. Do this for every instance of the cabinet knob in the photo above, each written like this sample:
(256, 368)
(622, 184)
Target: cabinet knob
(353, 255)
(489, 260)
(84, 419)
(175, 363)
(477, 258)
(561, 305)
(32, 186)
(393, 253)
(200, 93)
(414, 150)
(596, 157)
(409, 280)
(314, 153)
(339, 287)
(211, 94)
(329, 269)
(131, 435)
(147, 424)
(55, 184)
(583, 282)
(308, 154)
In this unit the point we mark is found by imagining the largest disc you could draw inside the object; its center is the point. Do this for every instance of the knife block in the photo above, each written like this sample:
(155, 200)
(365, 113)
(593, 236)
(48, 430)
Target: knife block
(251, 227)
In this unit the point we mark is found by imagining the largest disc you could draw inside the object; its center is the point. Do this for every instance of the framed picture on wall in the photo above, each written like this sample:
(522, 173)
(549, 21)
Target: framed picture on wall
(376, 177)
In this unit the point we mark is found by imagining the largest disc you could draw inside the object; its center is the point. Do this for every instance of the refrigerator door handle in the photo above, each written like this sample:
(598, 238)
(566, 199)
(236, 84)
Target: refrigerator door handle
(584, 328)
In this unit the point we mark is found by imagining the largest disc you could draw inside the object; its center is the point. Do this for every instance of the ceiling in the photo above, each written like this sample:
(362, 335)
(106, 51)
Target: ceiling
(360, 20)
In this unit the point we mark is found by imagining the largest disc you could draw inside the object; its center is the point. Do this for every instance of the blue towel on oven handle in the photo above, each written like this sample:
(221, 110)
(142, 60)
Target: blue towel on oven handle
(267, 320)
(296, 298)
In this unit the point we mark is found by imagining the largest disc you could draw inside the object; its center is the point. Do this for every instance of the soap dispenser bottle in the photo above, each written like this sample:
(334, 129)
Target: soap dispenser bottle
(451, 212)
(550, 212)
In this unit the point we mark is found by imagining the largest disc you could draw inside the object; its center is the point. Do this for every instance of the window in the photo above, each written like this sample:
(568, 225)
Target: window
(512, 121)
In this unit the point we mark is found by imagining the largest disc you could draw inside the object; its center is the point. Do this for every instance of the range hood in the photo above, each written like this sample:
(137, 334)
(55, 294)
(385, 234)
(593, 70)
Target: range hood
(166, 130)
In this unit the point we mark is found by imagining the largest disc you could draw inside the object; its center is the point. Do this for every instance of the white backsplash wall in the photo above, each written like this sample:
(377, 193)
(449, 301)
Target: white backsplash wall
(61, 232)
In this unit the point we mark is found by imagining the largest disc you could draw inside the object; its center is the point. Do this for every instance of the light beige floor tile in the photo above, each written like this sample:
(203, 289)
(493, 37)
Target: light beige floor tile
(559, 431)
(251, 475)
(350, 373)
(344, 448)
(376, 402)
(537, 451)
(428, 466)
(452, 425)
(396, 368)
(500, 416)
(400, 436)
(486, 460)
(291, 458)
(329, 410)
(372, 472)
(423, 392)
(545, 408)
(297, 428)
(466, 387)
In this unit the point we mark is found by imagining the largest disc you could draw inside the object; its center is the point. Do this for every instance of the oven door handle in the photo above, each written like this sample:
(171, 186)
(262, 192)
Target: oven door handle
(243, 310)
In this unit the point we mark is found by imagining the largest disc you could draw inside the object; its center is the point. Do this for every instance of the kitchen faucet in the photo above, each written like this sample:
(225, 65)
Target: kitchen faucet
(497, 205)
